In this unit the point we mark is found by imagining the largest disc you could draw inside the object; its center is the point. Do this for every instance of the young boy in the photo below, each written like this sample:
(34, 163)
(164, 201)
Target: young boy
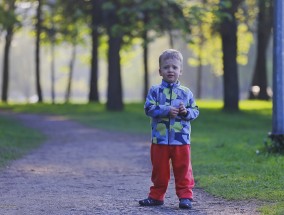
(171, 108)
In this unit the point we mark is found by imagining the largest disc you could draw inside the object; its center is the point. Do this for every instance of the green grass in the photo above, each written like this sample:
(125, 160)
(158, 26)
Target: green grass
(228, 153)
(16, 140)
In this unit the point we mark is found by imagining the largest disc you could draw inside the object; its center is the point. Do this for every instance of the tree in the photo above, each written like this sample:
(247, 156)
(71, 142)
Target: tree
(95, 23)
(228, 31)
(37, 50)
(125, 20)
(145, 58)
(50, 28)
(8, 25)
(198, 40)
(264, 27)
(71, 28)
(206, 43)
(51, 32)
(115, 35)
(93, 16)
(171, 17)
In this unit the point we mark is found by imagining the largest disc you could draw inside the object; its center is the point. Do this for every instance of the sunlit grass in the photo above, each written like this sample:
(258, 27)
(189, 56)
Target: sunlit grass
(132, 119)
(228, 153)
(255, 105)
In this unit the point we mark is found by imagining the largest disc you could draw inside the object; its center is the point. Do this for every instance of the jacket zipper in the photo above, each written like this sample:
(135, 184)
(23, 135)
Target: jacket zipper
(169, 131)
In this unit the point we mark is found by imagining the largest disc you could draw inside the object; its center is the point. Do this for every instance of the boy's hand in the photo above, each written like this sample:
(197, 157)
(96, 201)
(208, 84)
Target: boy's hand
(182, 109)
(174, 112)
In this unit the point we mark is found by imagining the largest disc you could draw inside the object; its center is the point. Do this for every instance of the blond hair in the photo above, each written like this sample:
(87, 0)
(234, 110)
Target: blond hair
(170, 54)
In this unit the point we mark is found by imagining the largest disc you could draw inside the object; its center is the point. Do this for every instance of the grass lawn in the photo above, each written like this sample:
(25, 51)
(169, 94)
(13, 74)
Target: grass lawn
(228, 154)
(16, 140)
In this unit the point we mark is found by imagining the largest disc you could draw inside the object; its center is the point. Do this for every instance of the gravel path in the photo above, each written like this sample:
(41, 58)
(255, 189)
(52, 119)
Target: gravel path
(85, 171)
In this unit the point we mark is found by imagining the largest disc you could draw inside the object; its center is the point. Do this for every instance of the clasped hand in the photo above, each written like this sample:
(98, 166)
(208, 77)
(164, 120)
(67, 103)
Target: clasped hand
(180, 110)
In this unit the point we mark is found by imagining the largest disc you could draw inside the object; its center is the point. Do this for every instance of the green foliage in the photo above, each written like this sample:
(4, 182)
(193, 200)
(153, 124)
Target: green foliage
(205, 40)
(8, 17)
(64, 21)
(16, 140)
(133, 19)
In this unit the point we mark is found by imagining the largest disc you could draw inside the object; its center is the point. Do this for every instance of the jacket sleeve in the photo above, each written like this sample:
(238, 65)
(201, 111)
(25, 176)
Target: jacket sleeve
(192, 109)
(152, 107)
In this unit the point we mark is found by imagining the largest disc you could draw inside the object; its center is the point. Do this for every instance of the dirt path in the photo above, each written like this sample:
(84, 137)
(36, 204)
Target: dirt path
(85, 171)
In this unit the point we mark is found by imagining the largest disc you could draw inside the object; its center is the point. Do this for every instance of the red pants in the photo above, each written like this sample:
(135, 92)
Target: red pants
(181, 163)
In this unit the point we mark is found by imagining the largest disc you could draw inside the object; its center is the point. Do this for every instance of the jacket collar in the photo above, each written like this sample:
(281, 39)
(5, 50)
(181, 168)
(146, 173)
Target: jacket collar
(170, 85)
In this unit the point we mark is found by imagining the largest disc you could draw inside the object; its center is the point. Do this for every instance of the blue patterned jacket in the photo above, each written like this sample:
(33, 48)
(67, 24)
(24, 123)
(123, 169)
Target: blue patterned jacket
(166, 130)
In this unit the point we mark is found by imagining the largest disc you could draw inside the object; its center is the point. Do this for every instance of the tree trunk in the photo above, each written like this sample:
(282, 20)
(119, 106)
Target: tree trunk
(199, 58)
(114, 93)
(71, 70)
(94, 92)
(145, 62)
(199, 79)
(171, 38)
(8, 40)
(230, 77)
(199, 70)
(37, 52)
(229, 46)
(5, 80)
(264, 27)
(52, 71)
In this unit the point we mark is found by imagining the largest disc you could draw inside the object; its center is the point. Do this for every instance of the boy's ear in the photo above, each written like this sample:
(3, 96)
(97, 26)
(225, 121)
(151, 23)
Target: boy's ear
(160, 72)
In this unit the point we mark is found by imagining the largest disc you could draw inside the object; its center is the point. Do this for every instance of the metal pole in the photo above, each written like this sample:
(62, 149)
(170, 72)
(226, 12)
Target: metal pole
(278, 69)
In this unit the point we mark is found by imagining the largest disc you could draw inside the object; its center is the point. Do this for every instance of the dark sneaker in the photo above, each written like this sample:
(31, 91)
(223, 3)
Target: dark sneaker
(150, 202)
(185, 204)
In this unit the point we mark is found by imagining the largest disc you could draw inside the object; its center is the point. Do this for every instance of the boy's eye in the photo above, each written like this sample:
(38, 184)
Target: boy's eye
(168, 66)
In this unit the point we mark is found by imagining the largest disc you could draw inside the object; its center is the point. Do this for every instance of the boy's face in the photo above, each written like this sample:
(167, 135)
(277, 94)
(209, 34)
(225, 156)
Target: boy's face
(170, 70)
